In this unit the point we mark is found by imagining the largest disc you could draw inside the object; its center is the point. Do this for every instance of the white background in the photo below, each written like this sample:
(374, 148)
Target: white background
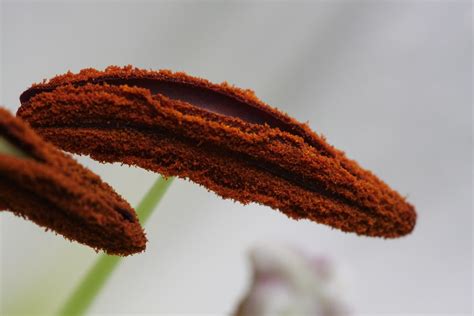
(388, 82)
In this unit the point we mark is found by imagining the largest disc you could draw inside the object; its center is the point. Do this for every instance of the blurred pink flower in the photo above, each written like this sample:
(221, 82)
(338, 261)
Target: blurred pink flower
(288, 282)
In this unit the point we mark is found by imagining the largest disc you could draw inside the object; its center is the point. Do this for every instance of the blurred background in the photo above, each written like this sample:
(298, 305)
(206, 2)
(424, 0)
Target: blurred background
(389, 82)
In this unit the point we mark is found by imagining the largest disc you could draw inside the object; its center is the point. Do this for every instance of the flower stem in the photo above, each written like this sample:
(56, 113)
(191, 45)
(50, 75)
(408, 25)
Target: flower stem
(8, 148)
(83, 296)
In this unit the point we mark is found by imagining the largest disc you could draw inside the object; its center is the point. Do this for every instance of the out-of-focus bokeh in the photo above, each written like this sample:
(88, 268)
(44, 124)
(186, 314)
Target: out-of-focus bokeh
(287, 281)
(389, 82)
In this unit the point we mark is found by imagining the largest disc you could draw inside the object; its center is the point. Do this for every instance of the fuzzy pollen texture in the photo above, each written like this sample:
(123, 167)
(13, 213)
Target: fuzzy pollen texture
(51, 189)
(116, 116)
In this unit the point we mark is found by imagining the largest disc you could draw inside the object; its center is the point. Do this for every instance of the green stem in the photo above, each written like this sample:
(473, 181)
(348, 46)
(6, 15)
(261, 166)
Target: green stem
(95, 279)
(8, 148)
